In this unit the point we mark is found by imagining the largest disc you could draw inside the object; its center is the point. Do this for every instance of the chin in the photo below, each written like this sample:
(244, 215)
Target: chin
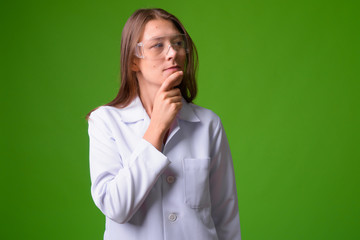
(165, 76)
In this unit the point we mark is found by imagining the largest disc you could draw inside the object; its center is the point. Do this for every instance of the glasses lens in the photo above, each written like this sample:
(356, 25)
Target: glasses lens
(158, 47)
(178, 43)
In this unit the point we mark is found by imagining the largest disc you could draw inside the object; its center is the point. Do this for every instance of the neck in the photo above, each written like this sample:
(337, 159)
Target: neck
(147, 96)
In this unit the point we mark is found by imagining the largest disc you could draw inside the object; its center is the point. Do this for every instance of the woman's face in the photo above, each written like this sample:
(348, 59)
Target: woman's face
(152, 71)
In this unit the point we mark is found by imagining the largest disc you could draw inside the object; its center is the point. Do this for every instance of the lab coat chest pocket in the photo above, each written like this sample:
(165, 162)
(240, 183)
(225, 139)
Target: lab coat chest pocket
(196, 176)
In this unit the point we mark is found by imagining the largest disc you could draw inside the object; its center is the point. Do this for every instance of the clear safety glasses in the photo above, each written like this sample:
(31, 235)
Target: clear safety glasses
(156, 48)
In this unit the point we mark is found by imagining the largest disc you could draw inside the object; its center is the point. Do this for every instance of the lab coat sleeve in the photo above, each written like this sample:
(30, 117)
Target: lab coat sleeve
(224, 202)
(119, 189)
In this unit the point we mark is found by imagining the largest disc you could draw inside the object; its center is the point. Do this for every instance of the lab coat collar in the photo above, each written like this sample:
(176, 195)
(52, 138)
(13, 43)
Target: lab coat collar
(135, 112)
(187, 113)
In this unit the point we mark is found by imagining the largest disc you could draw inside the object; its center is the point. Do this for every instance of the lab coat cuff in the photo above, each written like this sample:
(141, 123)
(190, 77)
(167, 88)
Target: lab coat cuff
(153, 158)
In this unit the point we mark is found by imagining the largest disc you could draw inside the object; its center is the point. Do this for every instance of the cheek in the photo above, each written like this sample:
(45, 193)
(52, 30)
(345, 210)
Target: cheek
(153, 65)
(182, 60)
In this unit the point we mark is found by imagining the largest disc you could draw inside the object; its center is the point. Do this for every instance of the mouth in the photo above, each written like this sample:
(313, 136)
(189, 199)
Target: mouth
(173, 68)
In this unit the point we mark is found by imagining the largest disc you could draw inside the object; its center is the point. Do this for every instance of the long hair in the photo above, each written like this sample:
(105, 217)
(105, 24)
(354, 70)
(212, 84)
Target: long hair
(129, 87)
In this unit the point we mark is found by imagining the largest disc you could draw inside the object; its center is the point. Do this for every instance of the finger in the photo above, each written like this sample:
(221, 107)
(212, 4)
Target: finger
(163, 95)
(176, 106)
(175, 99)
(172, 81)
(173, 92)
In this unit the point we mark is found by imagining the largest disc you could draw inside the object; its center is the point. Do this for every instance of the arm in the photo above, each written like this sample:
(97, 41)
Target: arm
(225, 212)
(117, 190)
(167, 104)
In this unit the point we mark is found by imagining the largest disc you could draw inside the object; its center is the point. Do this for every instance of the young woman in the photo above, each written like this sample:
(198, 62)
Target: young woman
(161, 166)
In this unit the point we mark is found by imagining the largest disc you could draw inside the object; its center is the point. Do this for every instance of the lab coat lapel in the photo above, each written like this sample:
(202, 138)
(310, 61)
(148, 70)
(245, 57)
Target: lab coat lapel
(186, 114)
(135, 112)
(174, 128)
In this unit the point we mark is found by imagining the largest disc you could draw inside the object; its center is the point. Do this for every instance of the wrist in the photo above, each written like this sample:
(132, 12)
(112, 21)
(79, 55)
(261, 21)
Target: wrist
(155, 135)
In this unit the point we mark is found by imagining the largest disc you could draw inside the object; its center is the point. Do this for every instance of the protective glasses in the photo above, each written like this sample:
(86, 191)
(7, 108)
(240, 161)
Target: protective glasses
(158, 47)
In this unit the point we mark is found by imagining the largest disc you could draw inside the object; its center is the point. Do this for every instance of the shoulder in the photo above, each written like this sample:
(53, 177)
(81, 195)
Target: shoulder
(102, 120)
(107, 117)
(131, 113)
(102, 113)
(205, 116)
(204, 113)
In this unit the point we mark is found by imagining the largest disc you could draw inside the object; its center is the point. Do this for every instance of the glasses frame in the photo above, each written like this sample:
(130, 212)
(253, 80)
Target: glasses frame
(139, 48)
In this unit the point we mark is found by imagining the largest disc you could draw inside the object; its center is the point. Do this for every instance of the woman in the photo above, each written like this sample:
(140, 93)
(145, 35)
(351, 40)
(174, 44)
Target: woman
(161, 166)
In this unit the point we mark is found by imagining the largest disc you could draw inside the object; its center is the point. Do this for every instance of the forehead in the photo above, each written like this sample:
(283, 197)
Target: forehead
(157, 28)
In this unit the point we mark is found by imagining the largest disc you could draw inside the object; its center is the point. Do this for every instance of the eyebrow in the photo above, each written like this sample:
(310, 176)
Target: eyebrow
(164, 36)
(155, 38)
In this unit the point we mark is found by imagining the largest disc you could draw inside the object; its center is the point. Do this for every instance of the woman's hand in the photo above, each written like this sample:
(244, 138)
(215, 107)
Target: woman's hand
(167, 104)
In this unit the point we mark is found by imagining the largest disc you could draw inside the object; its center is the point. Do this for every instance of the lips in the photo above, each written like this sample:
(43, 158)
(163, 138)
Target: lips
(173, 68)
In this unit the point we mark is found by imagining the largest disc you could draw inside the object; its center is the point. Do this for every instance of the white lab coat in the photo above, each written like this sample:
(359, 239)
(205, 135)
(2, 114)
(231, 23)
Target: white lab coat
(187, 191)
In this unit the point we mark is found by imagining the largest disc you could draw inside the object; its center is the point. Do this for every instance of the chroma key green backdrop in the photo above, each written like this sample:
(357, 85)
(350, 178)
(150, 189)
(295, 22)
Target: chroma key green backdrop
(282, 75)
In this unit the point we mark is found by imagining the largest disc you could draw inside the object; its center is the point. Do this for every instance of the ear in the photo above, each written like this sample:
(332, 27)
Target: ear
(134, 65)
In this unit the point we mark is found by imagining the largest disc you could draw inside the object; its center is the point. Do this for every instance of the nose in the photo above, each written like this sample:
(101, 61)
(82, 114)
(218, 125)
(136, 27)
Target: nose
(172, 52)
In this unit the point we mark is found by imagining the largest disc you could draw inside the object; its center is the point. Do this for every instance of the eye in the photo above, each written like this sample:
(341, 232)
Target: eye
(157, 45)
(179, 43)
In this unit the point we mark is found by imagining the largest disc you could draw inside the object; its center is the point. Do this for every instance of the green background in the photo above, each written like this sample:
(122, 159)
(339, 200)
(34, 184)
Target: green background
(282, 75)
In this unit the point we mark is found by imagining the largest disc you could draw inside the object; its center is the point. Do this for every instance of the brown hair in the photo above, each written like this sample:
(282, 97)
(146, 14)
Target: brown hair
(131, 33)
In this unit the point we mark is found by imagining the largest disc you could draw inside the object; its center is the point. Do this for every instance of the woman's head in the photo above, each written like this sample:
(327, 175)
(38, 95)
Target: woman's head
(141, 27)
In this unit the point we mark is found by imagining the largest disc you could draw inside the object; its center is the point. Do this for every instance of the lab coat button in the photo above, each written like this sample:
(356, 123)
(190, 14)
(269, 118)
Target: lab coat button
(172, 217)
(170, 179)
